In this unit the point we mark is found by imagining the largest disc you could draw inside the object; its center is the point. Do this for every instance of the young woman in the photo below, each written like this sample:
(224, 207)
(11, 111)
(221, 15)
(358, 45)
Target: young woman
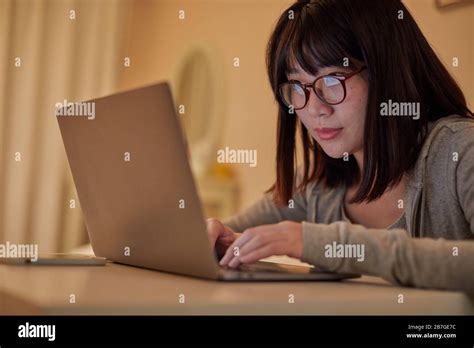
(388, 150)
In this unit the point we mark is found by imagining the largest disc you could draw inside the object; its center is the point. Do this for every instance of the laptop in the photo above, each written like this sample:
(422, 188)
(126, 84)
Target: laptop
(129, 162)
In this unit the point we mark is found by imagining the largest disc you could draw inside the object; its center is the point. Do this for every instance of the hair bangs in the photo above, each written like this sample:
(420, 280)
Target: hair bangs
(318, 40)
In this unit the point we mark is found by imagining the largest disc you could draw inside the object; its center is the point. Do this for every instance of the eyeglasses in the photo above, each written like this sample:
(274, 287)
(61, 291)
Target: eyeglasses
(330, 89)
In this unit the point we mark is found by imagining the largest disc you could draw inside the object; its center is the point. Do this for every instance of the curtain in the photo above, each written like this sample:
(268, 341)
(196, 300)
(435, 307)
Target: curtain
(50, 51)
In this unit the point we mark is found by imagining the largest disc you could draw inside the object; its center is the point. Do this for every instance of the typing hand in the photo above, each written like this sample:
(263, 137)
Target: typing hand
(220, 236)
(284, 238)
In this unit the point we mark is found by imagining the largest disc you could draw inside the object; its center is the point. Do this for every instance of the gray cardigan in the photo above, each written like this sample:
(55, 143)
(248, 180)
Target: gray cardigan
(436, 250)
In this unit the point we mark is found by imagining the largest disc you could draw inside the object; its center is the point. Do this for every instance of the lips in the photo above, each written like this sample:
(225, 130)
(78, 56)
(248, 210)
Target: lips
(328, 133)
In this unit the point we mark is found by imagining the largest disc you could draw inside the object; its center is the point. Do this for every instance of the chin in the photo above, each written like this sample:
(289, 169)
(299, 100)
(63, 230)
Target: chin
(334, 152)
(334, 155)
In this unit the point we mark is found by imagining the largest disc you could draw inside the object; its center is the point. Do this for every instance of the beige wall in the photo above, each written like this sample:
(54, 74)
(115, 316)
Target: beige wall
(241, 28)
(229, 29)
(450, 32)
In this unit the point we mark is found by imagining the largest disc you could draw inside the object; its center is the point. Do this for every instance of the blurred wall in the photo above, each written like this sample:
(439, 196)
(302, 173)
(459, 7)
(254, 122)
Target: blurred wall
(240, 28)
(450, 32)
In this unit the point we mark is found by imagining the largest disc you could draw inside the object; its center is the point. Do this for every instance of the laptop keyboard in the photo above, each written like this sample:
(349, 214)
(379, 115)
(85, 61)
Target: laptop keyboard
(261, 267)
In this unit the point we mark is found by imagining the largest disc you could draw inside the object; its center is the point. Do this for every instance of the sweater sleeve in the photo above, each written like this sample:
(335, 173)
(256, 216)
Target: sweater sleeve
(463, 146)
(391, 254)
(265, 211)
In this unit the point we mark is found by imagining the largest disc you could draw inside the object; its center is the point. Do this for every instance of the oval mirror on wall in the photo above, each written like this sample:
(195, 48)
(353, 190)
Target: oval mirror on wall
(198, 92)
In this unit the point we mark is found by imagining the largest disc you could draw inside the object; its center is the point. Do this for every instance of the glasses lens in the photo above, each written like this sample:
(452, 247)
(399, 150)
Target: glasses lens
(330, 89)
(292, 94)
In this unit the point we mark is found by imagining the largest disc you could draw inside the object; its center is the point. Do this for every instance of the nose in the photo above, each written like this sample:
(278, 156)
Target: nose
(315, 106)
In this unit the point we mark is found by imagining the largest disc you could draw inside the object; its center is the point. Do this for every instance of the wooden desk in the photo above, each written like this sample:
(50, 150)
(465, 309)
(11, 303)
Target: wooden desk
(119, 289)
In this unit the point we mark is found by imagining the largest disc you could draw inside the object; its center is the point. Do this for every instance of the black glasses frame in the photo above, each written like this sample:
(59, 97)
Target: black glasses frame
(306, 87)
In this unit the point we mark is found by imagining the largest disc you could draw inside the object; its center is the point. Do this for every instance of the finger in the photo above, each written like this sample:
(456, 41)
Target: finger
(240, 242)
(256, 242)
(233, 248)
(272, 236)
(259, 253)
(229, 254)
(259, 241)
(254, 256)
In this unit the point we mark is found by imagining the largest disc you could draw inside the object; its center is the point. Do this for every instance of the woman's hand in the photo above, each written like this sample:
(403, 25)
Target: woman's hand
(284, 238)
(221, 236)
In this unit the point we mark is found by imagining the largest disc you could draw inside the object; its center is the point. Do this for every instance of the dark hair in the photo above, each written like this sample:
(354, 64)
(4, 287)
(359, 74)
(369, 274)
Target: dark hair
(401, 66)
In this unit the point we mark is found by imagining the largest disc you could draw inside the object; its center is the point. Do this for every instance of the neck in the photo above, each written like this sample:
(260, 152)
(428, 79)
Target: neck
(359, 157)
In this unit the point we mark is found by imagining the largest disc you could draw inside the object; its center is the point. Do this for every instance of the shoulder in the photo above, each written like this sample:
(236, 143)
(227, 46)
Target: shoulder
(445, 136)
(450, 130)
(448, 149)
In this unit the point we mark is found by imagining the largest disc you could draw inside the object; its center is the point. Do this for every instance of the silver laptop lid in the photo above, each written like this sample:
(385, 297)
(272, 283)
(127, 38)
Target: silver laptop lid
(135, 185)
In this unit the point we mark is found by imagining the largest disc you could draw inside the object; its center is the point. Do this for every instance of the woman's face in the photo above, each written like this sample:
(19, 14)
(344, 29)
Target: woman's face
(338, 129)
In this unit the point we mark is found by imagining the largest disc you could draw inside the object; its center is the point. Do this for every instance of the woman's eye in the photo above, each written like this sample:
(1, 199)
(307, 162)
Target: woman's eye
(296, 88)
